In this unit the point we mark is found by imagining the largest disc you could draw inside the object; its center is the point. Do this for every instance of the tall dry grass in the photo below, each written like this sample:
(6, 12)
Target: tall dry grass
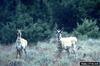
(46, 54)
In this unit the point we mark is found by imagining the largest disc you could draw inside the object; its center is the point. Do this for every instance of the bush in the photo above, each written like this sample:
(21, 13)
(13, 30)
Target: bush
(38, 31)
(36, 25)
(33, 32)
(7, 34)
(88, 28)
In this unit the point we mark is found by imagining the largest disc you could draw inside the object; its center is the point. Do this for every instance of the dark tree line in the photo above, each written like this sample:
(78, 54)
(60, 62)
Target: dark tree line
(37, 18)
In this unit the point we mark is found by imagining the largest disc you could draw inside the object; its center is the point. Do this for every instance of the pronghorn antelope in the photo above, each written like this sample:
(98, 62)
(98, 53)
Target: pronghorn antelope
(21, 44)
(66, 42)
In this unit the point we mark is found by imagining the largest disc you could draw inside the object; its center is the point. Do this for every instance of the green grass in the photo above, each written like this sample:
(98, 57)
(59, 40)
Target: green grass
(46, 54)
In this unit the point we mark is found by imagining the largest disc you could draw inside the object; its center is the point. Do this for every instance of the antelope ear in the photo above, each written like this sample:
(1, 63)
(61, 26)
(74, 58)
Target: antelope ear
(56, 31)
(17, 31)
(62, 29)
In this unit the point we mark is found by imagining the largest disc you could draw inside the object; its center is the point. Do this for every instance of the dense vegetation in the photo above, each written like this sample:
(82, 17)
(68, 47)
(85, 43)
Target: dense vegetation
(46, 54)
(37, 18)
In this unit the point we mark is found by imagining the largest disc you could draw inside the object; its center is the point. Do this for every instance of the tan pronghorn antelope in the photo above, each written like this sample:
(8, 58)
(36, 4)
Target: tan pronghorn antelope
(66, 42)
(21, 44)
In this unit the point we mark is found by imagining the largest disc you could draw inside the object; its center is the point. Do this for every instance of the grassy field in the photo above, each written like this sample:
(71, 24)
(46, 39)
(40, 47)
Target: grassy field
(46, 54)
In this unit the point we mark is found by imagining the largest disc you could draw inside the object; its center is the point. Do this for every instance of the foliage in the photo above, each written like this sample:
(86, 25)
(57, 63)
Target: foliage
(88, 27)
(37, 18)
(33, 29)
(46, 54)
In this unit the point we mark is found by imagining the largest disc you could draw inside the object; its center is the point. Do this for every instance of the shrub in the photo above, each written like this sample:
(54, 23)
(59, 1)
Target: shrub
(88, 28)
